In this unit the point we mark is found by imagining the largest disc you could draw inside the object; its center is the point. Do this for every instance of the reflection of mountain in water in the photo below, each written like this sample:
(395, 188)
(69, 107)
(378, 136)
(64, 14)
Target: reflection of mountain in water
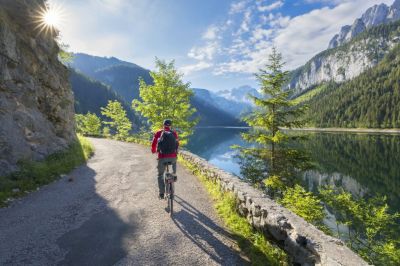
(315, 179)
(214, 145)
(371, 160)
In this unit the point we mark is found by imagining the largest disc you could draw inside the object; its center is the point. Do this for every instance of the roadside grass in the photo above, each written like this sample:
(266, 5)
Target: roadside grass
(32, 175)
(252, 243)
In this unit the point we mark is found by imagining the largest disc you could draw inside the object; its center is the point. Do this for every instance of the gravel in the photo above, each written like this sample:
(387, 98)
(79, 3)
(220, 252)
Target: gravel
(110, 215)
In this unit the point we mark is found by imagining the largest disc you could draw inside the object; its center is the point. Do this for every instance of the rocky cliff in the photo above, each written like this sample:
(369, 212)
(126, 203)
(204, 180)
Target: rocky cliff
(374, 16)
(349, 60)
(36, 101)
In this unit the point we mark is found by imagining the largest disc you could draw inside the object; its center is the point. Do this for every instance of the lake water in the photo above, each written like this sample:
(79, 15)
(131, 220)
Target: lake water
(363, 164)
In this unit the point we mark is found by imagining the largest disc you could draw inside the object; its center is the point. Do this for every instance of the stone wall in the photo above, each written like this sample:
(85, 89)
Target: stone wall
(302, 241)
(36, 101)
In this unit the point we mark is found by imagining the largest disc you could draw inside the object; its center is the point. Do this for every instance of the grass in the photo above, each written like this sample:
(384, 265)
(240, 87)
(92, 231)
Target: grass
(32, 175)
(251, 242)
(309, 95)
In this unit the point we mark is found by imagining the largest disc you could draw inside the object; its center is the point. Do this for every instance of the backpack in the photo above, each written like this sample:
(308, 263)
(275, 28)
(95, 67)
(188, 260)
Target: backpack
(167, 143)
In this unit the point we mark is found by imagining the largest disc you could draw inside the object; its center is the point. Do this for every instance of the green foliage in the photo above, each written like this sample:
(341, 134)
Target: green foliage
(88, 125)
(106, 132)
(64, 56)
(35, 174)
(304, 204)
(91, 95)
(372, 230)
(370, 100)
(118, 121)
(253, 243)
(167, 98)
(272, 156)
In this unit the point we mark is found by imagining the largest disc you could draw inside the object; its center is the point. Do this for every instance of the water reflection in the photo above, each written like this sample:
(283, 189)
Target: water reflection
(363, 164)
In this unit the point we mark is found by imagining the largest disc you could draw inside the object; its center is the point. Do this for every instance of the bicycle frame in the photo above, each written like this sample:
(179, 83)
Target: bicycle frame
(169, 181)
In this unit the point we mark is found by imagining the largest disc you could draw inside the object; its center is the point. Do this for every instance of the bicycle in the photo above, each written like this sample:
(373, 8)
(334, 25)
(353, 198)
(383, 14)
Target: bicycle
(169, 180)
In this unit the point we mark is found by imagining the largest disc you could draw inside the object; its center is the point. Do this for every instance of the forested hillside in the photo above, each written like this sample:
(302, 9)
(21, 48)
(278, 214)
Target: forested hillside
(91, 95)
(371, 100)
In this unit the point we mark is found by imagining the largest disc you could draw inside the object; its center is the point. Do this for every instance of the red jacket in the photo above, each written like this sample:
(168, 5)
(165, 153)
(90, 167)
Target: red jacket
(157, 135)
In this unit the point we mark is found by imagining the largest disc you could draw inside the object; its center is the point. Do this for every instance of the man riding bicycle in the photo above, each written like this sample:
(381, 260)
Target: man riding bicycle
(165, 143)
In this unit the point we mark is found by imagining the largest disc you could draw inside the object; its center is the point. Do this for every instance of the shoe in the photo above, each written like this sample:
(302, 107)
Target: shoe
(175, 178)
(161, 195)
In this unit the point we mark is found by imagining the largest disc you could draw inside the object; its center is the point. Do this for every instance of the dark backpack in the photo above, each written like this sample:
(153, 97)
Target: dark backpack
(167, 143)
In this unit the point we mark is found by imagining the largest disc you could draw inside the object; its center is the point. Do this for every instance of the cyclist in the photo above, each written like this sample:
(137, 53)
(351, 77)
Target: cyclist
(165, 143)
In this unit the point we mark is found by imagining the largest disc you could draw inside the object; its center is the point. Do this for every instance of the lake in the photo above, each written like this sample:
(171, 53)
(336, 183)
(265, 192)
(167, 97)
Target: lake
(363, 164)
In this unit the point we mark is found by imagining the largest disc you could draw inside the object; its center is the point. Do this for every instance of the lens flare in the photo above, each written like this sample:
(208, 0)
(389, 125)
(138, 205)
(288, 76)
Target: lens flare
(49, 18)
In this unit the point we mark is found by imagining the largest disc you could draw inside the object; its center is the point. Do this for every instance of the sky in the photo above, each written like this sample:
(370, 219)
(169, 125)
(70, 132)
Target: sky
(216, 44)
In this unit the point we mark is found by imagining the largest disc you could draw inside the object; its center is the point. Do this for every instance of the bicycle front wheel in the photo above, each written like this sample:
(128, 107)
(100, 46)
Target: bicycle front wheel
(171, 199)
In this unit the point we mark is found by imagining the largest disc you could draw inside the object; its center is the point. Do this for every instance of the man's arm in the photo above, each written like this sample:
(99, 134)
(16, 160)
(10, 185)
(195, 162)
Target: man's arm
(177, 140)
(154, 142)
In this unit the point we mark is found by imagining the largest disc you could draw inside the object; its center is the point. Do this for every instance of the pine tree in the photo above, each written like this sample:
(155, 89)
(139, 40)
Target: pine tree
(119, 122)
(167, 98)
(274, 112)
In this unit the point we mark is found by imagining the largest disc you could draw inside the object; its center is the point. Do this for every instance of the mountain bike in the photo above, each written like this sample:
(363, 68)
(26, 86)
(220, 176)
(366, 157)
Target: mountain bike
(169, 180)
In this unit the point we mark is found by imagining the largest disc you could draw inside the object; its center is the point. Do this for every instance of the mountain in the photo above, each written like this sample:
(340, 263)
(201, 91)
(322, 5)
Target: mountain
(240, 94)
(347, 61)
(371, 100)
(233, 108)
(91, 95)
(374, 16)
(123, 77)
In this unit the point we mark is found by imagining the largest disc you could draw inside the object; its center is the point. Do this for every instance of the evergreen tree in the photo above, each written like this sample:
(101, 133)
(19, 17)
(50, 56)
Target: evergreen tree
(167, 98)
(275, 111)
(119, 122)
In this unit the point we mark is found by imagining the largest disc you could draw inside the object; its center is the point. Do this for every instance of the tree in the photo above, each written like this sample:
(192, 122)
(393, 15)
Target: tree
(88, 125)
(119, 122)
(167, 98)
(275, 111)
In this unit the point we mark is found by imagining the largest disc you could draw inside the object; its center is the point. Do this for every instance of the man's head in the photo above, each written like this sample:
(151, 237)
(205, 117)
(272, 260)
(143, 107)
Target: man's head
(167, 123)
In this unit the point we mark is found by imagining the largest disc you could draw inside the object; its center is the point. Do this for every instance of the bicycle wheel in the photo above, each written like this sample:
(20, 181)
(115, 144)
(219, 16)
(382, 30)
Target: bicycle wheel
(171, 199)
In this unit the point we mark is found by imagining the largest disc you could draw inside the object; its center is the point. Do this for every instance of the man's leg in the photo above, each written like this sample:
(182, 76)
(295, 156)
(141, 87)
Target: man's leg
(160, 177)
(173, 161)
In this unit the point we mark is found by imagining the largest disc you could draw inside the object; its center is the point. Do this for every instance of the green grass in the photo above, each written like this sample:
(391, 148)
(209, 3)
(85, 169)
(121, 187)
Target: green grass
(251, 242)
(309, 95)
(35, 174)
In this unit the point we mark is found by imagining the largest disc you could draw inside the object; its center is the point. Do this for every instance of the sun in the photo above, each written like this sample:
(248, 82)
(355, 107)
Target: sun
(48, 18)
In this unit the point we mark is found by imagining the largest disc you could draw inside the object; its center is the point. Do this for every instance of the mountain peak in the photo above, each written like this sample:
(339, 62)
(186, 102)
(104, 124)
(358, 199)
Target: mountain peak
(373, 16)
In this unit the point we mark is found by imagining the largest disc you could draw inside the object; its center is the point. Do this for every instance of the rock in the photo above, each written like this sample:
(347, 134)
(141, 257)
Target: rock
(374, 16)
(15, 190)
(36, 101)
(305, 244)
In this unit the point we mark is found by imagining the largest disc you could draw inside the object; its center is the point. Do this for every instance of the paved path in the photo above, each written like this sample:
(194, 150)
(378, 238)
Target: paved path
(110, 215)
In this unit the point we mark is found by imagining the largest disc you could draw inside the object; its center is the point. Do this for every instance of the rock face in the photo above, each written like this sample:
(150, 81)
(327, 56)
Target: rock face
(374, 16)
(36, 101)
(302, 241)
(347, 61)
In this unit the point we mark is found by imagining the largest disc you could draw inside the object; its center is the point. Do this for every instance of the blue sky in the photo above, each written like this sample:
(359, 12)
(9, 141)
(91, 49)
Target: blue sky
(217, 44)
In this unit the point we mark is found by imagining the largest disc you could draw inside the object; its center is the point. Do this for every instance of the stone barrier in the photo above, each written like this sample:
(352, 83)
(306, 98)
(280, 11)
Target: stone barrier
(305, 243)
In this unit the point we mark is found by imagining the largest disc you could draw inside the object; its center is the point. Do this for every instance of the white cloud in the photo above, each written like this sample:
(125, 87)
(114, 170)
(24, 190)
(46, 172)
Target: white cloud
(238, 7)
(188, 69)
(204, 52)
(211, 33)
(270, 7)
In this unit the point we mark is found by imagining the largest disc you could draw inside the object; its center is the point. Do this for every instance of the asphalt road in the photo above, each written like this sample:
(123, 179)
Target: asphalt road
(110, 215)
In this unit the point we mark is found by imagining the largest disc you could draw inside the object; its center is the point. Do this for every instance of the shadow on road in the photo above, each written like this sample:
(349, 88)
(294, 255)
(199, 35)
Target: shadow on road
(201, 230)
(100, 239)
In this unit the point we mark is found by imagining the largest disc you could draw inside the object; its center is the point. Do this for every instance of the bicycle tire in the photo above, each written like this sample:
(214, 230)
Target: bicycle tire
(171, 199)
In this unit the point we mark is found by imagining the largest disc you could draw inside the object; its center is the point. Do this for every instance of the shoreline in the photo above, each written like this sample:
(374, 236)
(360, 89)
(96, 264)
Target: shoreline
(351, 130)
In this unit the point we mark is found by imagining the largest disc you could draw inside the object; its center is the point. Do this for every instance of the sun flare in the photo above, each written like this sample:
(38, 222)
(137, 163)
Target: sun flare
(49, 18)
